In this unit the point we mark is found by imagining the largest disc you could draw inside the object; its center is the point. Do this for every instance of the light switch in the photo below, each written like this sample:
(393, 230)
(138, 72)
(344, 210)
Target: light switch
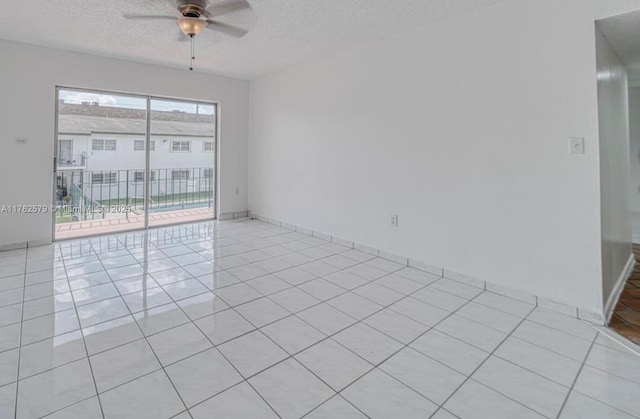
(577, 145)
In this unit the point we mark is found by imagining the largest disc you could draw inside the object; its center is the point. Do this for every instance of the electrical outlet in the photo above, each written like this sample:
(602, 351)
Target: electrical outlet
(21, 140)
(394, 220)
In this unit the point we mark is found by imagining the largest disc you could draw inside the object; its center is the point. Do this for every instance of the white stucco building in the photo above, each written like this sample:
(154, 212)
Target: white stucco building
(101, 156)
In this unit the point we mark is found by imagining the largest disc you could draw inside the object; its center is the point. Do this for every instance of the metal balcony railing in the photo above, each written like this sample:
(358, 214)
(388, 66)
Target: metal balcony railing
(169, 189)
(71, 160)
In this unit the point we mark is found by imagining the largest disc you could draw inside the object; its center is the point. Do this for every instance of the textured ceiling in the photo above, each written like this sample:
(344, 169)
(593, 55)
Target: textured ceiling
(623, 35)
(282, 32)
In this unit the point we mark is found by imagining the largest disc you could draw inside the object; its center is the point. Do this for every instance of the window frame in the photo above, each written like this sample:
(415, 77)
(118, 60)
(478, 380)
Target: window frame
(135, 176)
(103, 144)
(181, 177)
(111, 176)
(180, 146)
(138, 145)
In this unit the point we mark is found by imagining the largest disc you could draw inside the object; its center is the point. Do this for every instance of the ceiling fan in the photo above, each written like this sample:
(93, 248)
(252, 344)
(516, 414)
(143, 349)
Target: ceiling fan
(198, 15)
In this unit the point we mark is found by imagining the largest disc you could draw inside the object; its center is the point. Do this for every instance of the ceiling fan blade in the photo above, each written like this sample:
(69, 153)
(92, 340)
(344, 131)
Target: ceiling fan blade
(226, 28)
(149, 17)
(223, 9)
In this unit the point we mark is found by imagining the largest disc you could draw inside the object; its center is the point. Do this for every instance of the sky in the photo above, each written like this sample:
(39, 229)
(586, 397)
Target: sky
(131, 102)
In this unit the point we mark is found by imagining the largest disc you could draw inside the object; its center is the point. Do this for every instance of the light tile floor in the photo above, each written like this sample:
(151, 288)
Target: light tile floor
(242, 319)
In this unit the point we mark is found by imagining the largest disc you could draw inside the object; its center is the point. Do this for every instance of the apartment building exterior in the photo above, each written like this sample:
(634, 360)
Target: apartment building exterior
(101, 156)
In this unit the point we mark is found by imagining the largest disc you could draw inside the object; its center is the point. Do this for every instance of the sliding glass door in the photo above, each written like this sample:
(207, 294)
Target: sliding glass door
(127, 162)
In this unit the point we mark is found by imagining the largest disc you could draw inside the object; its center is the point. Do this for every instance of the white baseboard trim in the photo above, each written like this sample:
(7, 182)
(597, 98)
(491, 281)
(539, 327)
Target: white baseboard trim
(13, 246)
(619, 286)
(24, 245)
(233, 215)
(543, 302)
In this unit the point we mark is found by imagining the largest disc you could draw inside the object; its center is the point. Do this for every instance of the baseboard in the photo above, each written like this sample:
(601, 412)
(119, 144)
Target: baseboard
(13, 246)
(543, 302)
(24, 245)
(233, 215)
(619, 286)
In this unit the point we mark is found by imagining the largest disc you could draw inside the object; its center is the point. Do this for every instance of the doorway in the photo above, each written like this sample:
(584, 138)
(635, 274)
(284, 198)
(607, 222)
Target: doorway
(128, 162)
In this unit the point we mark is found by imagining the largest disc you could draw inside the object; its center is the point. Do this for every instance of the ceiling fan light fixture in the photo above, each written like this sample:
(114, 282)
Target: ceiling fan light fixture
(191, 26)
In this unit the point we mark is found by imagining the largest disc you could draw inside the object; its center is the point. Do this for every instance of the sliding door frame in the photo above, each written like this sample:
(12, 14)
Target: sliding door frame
(147, 189)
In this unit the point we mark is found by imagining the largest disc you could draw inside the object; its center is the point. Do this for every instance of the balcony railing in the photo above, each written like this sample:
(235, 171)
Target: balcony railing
(71, 160)
(84, 193)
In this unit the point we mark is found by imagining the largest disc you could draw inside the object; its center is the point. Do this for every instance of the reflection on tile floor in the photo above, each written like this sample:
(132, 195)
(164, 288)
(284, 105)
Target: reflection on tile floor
(242, 319)
(626, 316)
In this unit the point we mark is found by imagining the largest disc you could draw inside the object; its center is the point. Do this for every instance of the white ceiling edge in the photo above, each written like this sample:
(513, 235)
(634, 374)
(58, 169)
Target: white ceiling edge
(116, 57)
(282, 34)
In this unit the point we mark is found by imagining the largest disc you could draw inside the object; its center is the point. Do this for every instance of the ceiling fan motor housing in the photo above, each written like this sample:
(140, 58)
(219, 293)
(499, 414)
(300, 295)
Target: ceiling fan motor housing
(191, 10)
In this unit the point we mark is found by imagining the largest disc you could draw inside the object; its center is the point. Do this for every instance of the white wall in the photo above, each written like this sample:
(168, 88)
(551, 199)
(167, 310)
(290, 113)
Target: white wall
(28, 76)
(613, 121)
(462, 128)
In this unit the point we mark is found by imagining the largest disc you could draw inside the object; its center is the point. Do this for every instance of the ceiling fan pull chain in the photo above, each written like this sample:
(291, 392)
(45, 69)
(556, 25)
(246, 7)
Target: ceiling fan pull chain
(192, 51)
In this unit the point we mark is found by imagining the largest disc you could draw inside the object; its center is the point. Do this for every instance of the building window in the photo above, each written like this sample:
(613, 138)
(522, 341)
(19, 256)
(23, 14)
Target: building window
(207, 146)
(138, 145)
(180, 146)
(153, 176)
(208, 173)
(179, 175)
(103, 178)
(138, 176)
(103, 145)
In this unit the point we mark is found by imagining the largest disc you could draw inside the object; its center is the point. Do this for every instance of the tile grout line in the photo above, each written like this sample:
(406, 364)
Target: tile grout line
(407, 345)
(26, 263)
(330, 337)
(144, 336)
(376, 366)
(181, 325)
(575, 380)
(193, 248)
(213, 347)
(480, 366)
(289, 356)
(270, 339)
(369, 281)
(86, 351)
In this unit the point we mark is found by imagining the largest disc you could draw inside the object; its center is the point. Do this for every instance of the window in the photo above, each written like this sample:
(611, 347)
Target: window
(179, 175)
(180, 146)
(138, 176)
(103, 178)
(207, 146)
(103, 145)
(153, 176)
(138, 145)
(208, 173)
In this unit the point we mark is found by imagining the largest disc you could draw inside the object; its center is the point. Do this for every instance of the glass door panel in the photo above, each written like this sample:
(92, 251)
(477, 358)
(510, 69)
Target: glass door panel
(182, 162)
(100, 167)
